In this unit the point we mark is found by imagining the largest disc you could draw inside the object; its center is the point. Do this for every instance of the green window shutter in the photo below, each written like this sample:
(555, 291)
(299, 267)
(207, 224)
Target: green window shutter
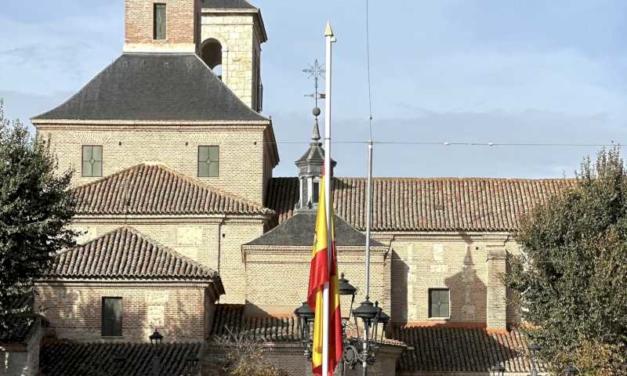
(159, 21)
(439, 303)
(208, 161)
(111, 317)
(92, 161)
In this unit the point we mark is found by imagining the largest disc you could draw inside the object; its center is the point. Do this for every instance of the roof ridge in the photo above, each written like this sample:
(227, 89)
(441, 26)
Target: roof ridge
(178, 174)
(221, 191)
(154, 247)
(159, 245)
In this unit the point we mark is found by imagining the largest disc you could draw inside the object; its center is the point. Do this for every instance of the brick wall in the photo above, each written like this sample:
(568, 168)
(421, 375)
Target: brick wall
(181, 26)
(242, 151)
(277, 280)
(74, 309)
(453, 261)
(215, 243)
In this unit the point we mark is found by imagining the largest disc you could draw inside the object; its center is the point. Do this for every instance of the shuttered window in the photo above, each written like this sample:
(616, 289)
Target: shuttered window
(111, 317)
(159, 21)
(208, 161)
(439, 303)
(92, 161)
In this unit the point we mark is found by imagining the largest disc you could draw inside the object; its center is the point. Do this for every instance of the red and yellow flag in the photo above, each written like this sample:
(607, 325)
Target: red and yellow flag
(321, 272)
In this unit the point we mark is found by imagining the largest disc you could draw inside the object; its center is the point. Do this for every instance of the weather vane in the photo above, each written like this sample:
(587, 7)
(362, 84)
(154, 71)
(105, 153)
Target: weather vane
(315, 71)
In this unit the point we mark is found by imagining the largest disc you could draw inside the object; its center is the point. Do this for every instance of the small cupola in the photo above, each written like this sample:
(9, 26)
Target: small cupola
(310, 168)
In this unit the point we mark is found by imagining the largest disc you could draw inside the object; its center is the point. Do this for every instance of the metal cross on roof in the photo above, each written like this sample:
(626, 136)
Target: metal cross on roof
(315, 71)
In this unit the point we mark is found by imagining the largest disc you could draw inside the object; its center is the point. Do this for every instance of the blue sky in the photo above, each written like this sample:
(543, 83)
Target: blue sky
(448, 70)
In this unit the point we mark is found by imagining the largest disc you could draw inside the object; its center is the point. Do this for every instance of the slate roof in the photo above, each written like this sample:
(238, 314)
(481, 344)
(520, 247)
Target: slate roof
(119, 359)
(441, 349)
(428, 204)
(126, 254)
(149, 189)
(227, 4)
(154, 87)
(299, 230)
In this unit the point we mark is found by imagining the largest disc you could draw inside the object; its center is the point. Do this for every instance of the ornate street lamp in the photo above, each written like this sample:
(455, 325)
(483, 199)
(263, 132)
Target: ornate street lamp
(571, 370)
(305, 317)
(498, 370)
(156, 339)
(118, 360)
(191, 364)
(367, 316)
(534, 348)
(347, 290)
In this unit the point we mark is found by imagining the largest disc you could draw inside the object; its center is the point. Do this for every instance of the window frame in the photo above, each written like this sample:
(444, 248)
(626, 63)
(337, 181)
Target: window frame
(156, 35)
(111, 332)
(431, 314)
(83, 148)
(208, 161)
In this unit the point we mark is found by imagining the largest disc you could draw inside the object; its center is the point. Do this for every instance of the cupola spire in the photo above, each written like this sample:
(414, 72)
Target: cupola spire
(310, 167)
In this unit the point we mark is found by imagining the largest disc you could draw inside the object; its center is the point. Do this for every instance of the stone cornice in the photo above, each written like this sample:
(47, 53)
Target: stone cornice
(170, 219)
(160, 124)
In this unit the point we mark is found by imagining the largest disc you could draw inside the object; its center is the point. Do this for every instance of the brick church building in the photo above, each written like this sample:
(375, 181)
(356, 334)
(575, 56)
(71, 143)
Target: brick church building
(185, 229)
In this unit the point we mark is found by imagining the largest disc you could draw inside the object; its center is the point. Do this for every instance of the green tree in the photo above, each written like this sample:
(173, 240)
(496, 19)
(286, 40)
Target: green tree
(571, 276)
(35, 210)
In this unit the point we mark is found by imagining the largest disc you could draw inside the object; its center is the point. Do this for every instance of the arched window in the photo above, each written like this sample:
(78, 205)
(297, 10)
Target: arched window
(211, 54)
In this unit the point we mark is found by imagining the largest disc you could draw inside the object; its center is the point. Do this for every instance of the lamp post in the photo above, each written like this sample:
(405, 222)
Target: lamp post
(571, 370)
(118, 360)
(191, 364)
(156, 339)
(534, 348)
(498, 370)
(305, 317)
(367, 316)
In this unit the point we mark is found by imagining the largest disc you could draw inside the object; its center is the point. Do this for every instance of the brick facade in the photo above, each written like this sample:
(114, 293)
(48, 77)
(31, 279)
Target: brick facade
(458, 262)
(181, 26)
(181, 311)
(246, 159)
(276, 278)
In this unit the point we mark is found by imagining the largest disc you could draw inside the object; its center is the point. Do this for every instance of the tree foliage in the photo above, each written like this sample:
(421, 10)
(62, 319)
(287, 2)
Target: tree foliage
(571, 275)
(35, 210)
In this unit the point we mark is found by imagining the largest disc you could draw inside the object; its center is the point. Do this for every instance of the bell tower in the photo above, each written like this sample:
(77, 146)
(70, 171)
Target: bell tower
(232, 32)
(161, 25)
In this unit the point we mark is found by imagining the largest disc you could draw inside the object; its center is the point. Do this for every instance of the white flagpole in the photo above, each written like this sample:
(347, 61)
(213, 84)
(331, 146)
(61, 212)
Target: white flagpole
(329, 38)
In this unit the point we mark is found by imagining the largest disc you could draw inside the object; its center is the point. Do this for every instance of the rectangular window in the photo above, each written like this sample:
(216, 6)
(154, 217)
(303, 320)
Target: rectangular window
(208, 161)
(439, 302)
(159, 21)
(111, 317)
(92, 161)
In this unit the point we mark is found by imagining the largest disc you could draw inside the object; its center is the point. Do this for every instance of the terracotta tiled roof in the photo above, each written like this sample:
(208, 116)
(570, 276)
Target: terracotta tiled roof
(126, 254)
(437, 349)
(428, 204)
(155, 189)
(229, 320)
(119, 359)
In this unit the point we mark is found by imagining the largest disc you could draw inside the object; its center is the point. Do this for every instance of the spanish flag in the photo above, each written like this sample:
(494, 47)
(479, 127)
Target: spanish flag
(321, 272)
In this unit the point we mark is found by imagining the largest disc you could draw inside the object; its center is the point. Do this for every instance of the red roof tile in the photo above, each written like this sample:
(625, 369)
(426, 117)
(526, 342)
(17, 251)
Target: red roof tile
(155, 189)
(119, 359)
(437, 349)
(126, 254)
(428, 204)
